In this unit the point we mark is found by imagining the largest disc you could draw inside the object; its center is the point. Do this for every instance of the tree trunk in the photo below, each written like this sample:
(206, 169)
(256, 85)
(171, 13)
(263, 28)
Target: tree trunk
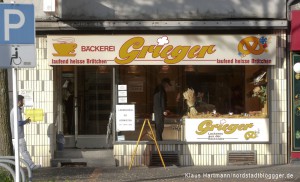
(6, 148)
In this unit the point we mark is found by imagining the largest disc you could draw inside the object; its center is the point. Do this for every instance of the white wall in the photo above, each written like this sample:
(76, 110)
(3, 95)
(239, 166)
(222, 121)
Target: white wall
(40, 136)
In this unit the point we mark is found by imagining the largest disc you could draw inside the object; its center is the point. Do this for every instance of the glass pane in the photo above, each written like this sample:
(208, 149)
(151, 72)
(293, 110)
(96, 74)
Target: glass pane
(68, 101)
(240, 90)
(94, 100)
(228, 89)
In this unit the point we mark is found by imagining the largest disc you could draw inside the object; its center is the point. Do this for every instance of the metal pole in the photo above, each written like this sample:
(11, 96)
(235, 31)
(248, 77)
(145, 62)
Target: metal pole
(75, 106)
(16, 126)
(114, 103)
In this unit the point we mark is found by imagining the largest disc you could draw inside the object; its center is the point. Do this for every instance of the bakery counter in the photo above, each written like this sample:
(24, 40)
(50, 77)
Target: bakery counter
(253, 114)
(207, 128)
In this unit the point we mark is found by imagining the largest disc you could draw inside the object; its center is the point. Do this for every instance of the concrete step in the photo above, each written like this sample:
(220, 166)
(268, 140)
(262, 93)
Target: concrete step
(295, 161)
(59, 162)
(68, 153)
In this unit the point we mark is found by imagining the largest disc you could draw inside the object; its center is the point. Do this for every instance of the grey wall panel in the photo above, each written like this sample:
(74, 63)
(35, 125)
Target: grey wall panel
(162, 9)
(172, 9)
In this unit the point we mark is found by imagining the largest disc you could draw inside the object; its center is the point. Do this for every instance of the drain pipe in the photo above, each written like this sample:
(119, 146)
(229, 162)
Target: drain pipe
(289, 116)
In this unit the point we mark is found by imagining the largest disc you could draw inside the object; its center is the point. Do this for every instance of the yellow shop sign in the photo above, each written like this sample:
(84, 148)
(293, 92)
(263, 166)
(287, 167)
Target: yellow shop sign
(169, 53)
(207, 125)
(181, 49)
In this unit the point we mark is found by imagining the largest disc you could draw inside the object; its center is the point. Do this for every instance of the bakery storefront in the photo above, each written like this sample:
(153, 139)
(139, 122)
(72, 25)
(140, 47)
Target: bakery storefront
(224, 104)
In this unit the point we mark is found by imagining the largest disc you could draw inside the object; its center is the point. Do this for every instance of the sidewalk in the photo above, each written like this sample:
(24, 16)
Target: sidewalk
(172, 173)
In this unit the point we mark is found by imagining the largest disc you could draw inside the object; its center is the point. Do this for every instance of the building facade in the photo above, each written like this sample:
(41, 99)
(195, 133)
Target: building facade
(77, 95)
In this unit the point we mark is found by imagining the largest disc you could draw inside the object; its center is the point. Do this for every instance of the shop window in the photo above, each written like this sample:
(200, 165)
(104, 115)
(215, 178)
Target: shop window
(224, 90)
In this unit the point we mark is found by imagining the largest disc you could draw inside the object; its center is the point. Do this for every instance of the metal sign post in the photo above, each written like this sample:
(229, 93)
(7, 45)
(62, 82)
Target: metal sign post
(16, 127)
(17, 50)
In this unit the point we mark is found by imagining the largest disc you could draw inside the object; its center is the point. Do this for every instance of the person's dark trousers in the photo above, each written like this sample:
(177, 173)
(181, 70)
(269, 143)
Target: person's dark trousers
(159, 128)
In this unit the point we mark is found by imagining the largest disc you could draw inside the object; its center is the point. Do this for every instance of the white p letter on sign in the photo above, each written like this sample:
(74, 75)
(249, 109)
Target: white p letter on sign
(8, 26)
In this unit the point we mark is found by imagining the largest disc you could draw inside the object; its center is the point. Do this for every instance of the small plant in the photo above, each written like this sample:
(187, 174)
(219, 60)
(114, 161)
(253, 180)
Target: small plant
(261, 93)
(297, 134)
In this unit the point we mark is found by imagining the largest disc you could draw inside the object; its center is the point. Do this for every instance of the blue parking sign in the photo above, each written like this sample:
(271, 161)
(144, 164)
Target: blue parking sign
(17, 24)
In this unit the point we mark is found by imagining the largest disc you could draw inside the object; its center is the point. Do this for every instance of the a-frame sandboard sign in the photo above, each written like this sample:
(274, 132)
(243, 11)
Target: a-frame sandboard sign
(152, 136)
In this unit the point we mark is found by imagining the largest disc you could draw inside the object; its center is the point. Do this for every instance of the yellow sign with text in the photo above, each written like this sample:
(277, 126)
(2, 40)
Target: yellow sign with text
(227, 130)
(207, 125)
(251, 49)
(35, 114)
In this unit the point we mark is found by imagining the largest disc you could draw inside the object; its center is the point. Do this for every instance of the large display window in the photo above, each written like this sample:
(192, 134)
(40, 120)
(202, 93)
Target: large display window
(235, 92)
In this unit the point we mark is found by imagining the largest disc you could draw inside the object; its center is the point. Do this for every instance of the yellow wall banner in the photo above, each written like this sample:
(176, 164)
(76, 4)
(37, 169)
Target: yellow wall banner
(34, 114)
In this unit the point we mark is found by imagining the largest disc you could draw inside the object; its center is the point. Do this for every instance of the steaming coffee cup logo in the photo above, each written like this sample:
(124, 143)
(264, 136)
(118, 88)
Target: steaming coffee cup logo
(65, 46)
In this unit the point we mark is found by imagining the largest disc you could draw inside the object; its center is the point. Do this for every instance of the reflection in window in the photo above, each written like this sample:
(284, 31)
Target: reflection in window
(217, 91)
(236, 89)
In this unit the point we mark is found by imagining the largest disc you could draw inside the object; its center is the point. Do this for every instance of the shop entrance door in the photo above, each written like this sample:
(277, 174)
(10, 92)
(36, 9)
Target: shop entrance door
(91, 108)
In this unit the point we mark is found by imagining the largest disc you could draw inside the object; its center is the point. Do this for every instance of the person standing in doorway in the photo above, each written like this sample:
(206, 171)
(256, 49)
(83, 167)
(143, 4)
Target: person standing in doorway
(22, 143)
(69, 103)
(159, 106)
